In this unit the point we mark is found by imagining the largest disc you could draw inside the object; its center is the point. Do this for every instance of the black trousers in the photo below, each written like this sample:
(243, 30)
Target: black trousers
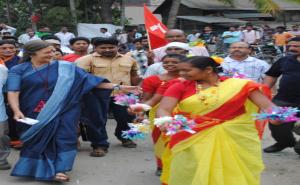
(94, 117)
(283, 133)
(122, 118)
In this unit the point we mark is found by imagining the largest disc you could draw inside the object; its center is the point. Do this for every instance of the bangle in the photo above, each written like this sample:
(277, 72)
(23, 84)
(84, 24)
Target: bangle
(116, 87)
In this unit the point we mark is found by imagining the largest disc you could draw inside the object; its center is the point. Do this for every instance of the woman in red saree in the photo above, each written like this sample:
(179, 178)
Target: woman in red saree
(225, 150)
(154, 88)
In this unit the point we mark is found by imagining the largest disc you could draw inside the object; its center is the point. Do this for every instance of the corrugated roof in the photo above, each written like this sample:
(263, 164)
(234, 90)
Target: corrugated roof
(211, 19)
(246, 15)
(238, 5)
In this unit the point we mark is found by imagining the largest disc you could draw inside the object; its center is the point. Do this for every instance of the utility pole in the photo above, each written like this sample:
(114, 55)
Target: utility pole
(8, 12)
(34, 27)
(73, 11)
(122, 18)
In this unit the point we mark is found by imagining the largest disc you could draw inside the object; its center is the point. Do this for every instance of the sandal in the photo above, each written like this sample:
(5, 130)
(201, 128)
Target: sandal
(98, 152)
(158, 172)
(61, 177)
(129, 144)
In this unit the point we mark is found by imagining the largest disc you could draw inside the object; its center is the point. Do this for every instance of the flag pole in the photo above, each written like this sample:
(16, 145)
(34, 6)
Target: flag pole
(149, 45)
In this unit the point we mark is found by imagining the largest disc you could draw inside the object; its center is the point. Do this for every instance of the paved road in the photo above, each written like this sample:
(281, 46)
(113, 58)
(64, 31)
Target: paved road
(124, 166)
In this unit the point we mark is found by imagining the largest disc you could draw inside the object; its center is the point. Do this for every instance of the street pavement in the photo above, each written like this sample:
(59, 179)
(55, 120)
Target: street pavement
(124, 166)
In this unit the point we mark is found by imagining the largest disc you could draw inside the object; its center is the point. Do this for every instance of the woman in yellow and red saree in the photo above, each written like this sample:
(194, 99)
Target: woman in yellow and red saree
(225, 150)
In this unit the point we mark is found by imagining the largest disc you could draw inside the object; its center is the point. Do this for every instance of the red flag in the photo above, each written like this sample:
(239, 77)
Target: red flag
(155, 29)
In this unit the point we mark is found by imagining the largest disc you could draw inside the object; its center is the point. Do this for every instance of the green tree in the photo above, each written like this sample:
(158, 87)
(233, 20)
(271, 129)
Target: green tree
(57, 13)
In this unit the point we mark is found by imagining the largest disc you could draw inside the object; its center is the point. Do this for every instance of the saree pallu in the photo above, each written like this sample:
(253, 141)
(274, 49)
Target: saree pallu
(226, 148)
(50, 146)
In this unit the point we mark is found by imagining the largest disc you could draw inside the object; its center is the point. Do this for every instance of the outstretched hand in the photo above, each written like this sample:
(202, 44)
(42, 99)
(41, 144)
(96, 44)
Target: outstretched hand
(131, 89)
(275, 122)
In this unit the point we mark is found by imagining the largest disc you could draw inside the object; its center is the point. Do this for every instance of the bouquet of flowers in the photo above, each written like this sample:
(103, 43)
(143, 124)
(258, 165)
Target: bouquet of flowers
(139, 107)
(137, 130)
(283, 114)
(126, 99)
(173, 125)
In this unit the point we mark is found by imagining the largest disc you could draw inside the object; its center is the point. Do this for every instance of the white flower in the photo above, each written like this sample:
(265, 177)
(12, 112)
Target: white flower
(162, 121)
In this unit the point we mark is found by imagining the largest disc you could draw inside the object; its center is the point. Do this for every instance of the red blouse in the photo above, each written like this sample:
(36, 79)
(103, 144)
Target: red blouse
(151, 84)
(181, 90)
(184, 89)
(164, 86)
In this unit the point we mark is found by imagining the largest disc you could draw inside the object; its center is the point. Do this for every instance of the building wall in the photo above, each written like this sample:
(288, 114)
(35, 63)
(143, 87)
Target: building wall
(141, 2)
(156, 2)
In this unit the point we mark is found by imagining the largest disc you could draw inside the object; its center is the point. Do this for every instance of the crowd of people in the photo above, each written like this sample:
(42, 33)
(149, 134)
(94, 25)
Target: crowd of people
(68, 84)
(250, 34)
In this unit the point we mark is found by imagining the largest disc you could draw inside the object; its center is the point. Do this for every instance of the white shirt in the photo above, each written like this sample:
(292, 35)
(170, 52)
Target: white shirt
(154, 69)
(250, 36)
(253, 68)
(3, 78)
(24, 38)
(9, 29)
(65, 37)
(193, 37)
(105, 35)
(122, 38)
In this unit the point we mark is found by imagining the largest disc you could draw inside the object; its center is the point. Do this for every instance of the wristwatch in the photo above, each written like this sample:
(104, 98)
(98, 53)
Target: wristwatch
(117, 87)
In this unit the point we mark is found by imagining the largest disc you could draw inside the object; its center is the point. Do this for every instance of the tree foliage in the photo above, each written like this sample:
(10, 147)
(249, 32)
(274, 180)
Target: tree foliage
(57, 13)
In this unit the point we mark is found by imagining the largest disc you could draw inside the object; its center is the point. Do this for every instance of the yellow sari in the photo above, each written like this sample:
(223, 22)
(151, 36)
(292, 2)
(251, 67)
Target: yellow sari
(226, 149)
(159, 139)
